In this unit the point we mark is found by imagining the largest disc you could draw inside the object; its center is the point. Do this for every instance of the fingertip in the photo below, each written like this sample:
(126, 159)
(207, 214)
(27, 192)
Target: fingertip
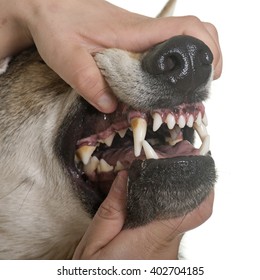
(106, 102)
(120, 183)
(90, 84)
(81, 72)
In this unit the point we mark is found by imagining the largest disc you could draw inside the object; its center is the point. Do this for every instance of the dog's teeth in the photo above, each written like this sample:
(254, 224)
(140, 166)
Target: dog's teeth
(149, 151)
(199, 119)
(153, 141)
(201, 130)
(85, 152)
(175, 132)
(181, 121)
(109, 140)
(205, 119)
(170, 120)
(119, 166)
(122, 132)
(190, 121)
(172, 142)
(91, 167)
(205, 139)
(157, 121)
(139, 127)
(204, 148)
(104, 166)
(76, 159)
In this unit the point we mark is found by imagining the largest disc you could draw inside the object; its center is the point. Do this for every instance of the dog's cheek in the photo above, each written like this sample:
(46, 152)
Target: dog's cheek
(167, 188)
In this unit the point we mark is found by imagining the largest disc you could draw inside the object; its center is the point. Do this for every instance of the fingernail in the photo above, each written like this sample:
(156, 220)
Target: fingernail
(107, 103)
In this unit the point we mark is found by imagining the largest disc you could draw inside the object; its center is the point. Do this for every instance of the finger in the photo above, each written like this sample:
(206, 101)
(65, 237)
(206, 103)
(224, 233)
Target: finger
(78, 68)
(107, 222)
(219, 61)
(161, 29)
(166, 230)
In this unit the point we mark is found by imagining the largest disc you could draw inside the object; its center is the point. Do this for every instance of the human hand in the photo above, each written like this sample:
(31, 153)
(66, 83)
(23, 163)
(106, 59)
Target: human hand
(105, 238)
(68, 33)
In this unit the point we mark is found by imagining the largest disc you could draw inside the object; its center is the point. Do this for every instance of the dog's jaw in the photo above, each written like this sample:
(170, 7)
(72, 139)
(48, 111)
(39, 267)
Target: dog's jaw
(43, 215)
(163, 87)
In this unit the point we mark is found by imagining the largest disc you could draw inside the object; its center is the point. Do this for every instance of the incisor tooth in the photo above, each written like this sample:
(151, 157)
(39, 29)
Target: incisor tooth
(157, 121)
(139, 127)
(104, 166)
(149, 151)
(85, 152)
(190, 121)
(170, 120)
(181, 121)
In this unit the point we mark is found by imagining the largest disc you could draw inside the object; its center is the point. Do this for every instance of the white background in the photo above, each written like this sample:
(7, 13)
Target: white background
(232, 233)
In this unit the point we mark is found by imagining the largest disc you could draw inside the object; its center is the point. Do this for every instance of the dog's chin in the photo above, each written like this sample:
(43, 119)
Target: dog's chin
(168, 176)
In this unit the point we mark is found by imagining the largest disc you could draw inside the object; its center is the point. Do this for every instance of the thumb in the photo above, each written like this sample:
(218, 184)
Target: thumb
(107, 222)
(78, 68)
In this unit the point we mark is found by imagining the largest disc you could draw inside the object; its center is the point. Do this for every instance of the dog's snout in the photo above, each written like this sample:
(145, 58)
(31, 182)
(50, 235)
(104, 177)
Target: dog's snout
(183, 61)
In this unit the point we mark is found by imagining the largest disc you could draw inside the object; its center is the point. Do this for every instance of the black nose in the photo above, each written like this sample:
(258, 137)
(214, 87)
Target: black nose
(183, 61)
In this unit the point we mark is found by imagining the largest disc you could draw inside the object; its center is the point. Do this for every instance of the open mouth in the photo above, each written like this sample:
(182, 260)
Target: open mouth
(127, 135)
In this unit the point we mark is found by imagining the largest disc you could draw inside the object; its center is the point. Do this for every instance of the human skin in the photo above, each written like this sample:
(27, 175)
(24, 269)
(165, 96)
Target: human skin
(105, 239)
(67, 34)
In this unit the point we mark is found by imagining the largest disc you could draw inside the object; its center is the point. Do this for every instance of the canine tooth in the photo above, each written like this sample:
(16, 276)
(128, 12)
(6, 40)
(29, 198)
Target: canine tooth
(190, 121)
(157, 121)
(170, 120)
(204, 148)
(199, 119)
(85, 152)
(109, 140)
(139, 126)
(119, 166)
(149, 151)
(91, 166)
(205, 119)
(201, 130)
(181, 121)
(104, 166)
(205, 139)
(122, 132)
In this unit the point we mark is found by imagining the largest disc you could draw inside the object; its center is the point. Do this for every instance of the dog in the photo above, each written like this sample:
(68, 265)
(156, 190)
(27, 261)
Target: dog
(59, 155)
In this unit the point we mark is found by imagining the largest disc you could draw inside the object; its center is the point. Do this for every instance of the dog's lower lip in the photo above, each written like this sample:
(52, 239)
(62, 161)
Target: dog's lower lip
(84, 120)
(100, 165)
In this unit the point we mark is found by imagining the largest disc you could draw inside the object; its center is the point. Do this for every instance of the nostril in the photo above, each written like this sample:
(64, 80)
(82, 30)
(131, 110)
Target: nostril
(169, 63)
(182, 60)
(205, 56)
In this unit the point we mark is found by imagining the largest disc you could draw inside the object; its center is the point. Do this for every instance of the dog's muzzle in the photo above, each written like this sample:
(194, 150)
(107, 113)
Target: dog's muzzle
(150, 134)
